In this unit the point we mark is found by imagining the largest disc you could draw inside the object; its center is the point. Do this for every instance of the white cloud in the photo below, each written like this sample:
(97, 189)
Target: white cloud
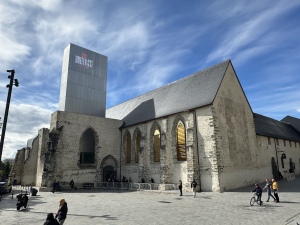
(23, 123)
(248, 29)
(44, 4)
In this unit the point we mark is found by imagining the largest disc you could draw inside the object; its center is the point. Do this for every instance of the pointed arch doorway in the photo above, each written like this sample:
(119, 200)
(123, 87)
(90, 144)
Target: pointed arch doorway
(109, 167)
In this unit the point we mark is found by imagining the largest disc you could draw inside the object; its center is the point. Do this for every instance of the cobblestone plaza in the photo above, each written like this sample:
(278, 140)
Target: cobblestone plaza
(144, 207)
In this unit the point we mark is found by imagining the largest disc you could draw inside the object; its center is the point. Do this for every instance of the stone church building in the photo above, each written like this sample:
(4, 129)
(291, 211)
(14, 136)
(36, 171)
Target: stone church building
(200, 127)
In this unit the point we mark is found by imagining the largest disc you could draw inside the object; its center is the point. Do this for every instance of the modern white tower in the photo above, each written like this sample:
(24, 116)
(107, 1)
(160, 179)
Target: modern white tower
(83, 82)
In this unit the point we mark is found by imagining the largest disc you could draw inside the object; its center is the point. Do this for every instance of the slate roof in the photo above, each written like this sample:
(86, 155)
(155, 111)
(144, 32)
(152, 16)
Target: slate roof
(295, 122)
(269, 127)
(190, 92)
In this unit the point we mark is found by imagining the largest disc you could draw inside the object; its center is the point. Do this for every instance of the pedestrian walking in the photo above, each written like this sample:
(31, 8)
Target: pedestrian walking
(269, 191)
(194, 186)
(275, 189)
(180, 187)
(61, 214)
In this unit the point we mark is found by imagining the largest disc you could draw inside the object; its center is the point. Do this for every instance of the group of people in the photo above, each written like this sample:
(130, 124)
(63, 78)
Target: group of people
(270, 186)
(60, 216)
(193, 186)
(55, 186)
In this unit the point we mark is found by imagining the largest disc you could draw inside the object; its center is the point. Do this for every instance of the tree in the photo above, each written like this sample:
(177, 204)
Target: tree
(5, 168)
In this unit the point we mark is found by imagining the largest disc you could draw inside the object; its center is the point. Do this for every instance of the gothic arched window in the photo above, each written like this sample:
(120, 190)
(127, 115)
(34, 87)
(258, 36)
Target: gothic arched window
(156, 144)
(87, 147)
(181, 142)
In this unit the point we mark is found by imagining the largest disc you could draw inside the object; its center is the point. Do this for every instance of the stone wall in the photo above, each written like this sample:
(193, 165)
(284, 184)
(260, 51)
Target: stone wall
(65, 158)
(17, 168)
(43, 138)
(30, 164)
(268, 150)
(238, 161)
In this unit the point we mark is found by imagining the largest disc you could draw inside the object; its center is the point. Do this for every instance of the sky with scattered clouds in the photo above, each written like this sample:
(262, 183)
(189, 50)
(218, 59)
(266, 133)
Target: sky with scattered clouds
(148, 44)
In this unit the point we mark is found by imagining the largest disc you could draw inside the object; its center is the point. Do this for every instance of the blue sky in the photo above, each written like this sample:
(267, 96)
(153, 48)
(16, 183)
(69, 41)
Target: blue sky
(148, 44)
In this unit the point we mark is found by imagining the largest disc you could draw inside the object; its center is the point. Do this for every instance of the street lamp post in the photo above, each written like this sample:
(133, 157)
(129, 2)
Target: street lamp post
(9, 86)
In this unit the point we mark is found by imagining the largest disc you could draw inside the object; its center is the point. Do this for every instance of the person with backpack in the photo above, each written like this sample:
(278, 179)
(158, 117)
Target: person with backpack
(194, 186)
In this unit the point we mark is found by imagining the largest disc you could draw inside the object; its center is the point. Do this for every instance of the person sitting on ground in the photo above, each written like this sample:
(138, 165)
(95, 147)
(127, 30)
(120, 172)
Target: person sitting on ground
(258, 192)
(50, 220)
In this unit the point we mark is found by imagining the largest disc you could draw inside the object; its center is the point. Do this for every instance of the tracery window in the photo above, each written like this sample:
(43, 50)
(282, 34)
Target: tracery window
(181, 142)
(137, 146)
(156, 144)
(128, 148)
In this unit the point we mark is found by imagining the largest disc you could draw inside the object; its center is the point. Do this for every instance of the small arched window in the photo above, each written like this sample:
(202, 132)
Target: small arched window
(181, 142)
(137, 146)
(128, 148)
(156, 144)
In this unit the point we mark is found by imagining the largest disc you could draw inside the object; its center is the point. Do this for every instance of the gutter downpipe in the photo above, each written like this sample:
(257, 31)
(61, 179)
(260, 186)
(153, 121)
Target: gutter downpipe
(197, 145)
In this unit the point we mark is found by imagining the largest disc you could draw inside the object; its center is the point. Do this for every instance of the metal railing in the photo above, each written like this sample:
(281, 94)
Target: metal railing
(135, 186)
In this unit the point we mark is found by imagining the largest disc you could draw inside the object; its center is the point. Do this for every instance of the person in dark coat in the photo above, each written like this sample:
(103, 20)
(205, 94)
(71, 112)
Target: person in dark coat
(72, 184)
(194, 186)
(54, 186)
(62, 211)
(50, 220)
(180, 187)
(258, 192)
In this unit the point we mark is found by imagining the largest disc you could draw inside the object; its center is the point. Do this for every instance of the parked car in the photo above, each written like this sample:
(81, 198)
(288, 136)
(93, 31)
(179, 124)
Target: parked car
(5, 187)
